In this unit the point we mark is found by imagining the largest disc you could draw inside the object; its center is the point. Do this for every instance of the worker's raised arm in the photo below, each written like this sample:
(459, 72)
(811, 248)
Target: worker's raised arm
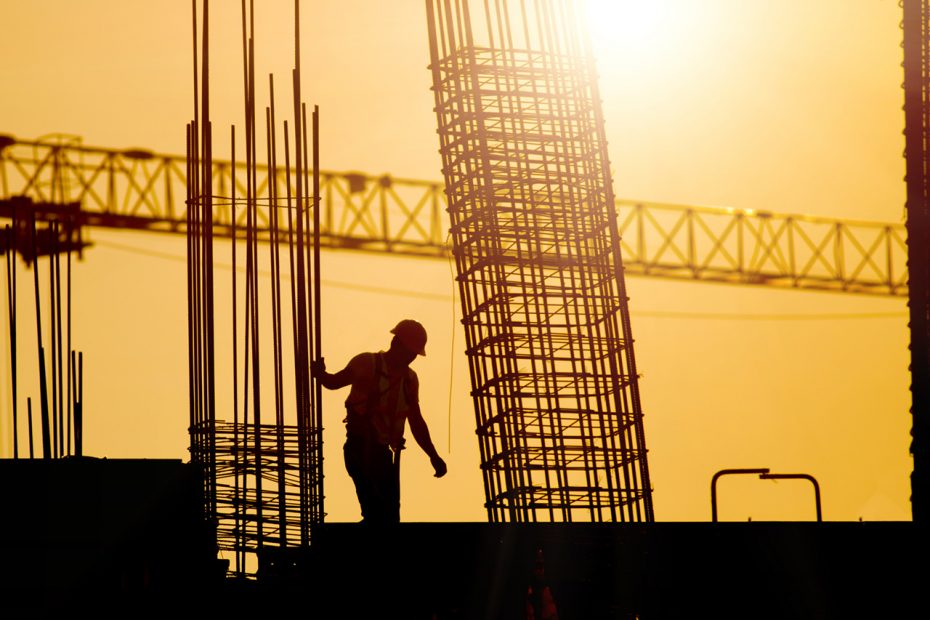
(421, 436)
(327, 380)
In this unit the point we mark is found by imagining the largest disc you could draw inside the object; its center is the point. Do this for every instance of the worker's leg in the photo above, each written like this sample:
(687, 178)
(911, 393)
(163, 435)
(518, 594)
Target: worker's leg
(355, 455)
(386, 488)
(371, 468)
(383, 501)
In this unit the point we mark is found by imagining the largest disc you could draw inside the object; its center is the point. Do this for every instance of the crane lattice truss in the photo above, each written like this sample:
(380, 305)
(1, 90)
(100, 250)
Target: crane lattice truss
(537, 251)
(137, 189)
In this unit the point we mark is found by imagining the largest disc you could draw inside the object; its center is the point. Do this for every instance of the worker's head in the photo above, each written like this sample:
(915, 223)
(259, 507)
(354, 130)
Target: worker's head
(411, 336)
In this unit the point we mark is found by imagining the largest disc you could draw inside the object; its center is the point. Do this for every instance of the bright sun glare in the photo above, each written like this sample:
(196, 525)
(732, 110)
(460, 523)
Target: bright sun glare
(625, 24)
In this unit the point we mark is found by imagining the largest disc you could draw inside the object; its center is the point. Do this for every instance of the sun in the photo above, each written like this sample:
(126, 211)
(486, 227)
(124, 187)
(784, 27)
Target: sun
(653, 36)
(630, 24)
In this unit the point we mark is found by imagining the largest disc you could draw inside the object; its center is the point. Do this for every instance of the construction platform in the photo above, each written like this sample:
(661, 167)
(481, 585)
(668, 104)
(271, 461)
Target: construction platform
(125, 536)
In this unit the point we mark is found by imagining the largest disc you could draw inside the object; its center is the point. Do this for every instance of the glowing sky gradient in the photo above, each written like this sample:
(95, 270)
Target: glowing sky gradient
(783, 105)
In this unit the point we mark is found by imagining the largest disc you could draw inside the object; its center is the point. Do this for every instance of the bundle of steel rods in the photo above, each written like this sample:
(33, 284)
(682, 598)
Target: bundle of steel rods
(56, 424)
(262, 476)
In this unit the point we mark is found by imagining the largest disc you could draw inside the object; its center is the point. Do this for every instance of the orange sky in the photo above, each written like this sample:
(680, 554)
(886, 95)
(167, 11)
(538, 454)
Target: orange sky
(784, 105)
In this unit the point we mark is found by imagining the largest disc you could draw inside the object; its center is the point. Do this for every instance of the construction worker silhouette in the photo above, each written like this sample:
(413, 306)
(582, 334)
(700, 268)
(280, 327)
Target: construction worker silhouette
(383, 398)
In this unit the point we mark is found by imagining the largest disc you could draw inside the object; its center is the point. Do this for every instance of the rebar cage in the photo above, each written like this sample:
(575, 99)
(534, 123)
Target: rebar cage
(262, 466)
(537, 251)
(262, 480)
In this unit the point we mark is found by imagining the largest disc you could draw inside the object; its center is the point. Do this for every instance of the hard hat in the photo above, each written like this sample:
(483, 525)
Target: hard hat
(412, 335)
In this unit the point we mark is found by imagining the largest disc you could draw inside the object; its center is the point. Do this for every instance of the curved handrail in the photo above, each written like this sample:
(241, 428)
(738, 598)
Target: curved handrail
(764, 474)
(725, 472)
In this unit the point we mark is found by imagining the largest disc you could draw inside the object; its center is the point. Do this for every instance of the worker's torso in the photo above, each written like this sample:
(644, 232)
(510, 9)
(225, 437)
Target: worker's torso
(380, 397)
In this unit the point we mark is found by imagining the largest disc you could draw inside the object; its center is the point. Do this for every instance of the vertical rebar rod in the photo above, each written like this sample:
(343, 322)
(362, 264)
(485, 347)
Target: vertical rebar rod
(69, 343)
(192, 309)
(310, 317)
(196, 346)
(11, 300)
(256, 375)
(271, 262)
(317, 322)
(196, 74)
(56, 256)
(243, 509)
(43, 386)
(310, 457)
(302, 351)
(196, 300)
(72, 372)
(29, 413)
(299, 383)
(275, 258)
(47, 445)
(53, 248)
(192, 429)
(79, 407)
(237, 511)
(207, 262)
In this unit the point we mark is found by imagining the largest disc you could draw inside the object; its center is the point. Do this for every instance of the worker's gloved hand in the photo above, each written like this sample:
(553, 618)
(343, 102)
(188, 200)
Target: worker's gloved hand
(439, 466)
(318, 368)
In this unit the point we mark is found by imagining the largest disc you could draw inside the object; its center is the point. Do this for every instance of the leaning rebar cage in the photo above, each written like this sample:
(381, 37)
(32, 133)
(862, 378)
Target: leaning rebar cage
(537, 251)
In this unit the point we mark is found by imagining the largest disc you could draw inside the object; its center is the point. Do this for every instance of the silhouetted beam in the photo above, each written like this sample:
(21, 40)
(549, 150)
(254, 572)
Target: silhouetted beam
(916, 133)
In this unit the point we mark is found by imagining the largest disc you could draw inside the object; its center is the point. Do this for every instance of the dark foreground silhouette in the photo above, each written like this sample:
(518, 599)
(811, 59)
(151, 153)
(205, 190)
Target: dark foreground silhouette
(126, 537)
